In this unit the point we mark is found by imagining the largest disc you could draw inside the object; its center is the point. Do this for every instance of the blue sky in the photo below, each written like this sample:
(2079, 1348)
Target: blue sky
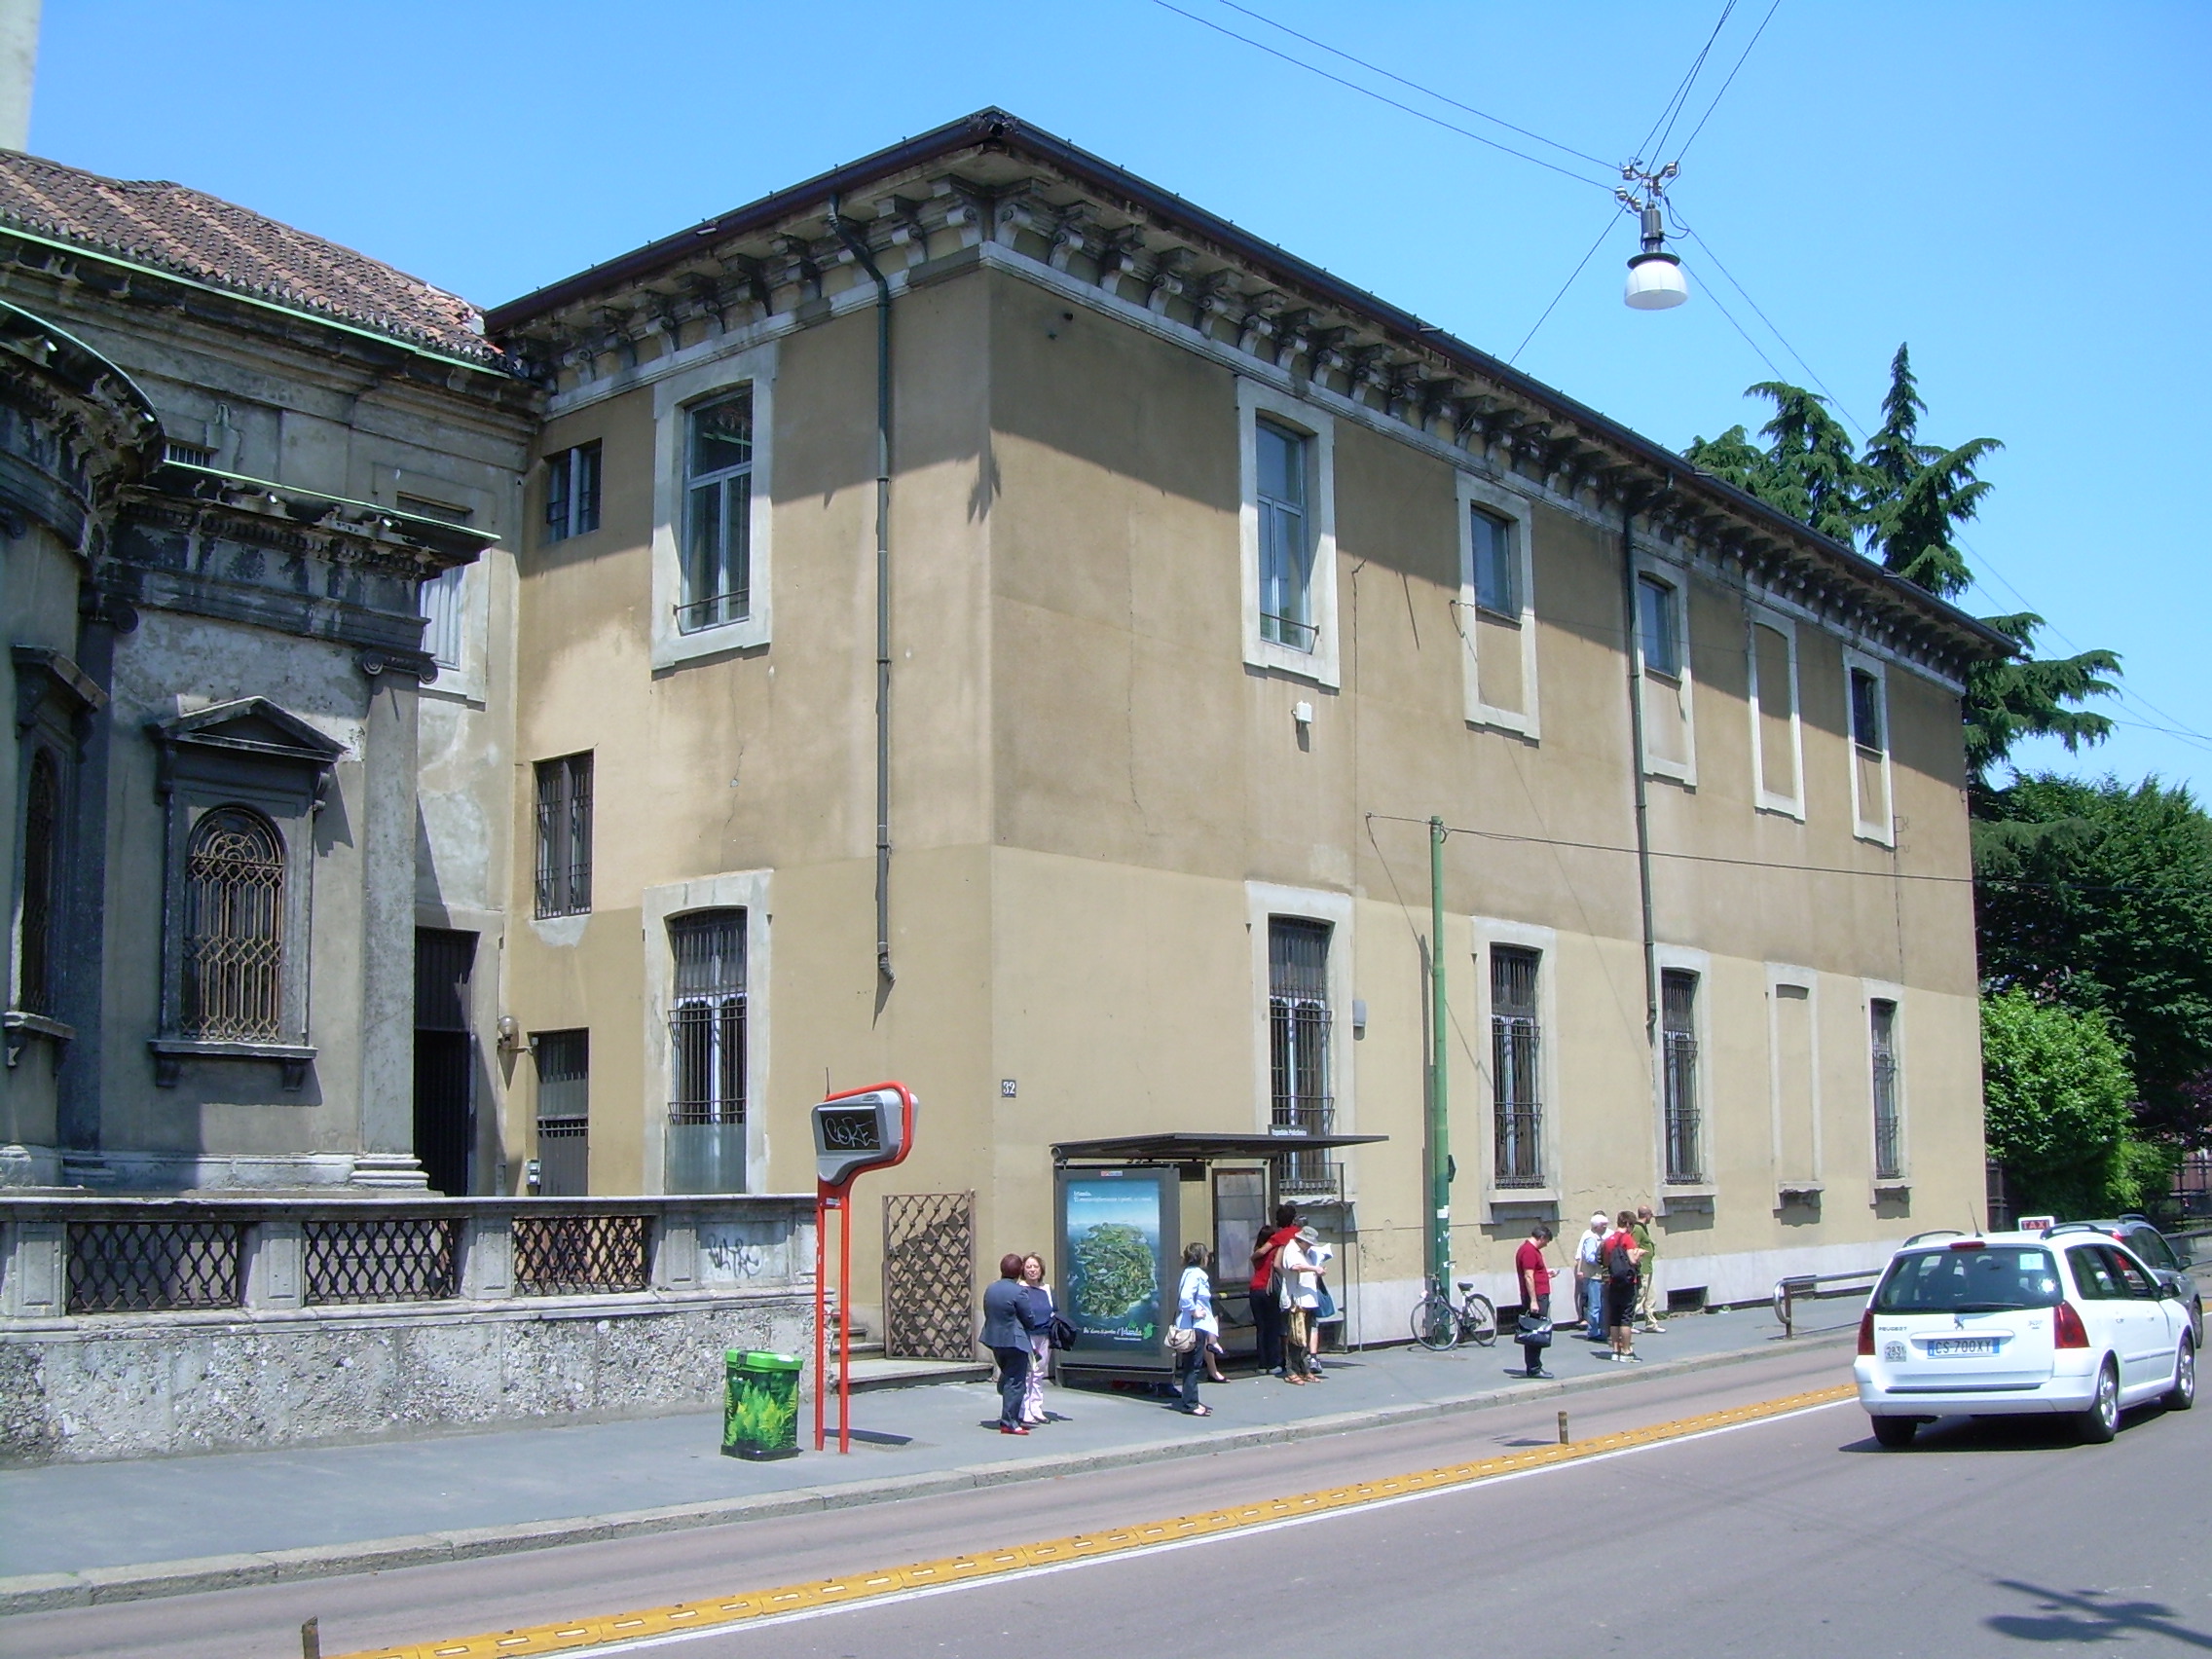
(2010, 188)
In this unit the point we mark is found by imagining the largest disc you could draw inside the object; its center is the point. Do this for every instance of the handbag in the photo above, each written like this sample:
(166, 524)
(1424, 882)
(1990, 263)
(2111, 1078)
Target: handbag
(1182, 1338)
(1060, 1334)
(1325, 1307)
(1535, 1330)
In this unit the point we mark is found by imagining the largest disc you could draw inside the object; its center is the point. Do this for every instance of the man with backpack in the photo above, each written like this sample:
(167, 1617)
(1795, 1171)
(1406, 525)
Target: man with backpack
(1621, 1258)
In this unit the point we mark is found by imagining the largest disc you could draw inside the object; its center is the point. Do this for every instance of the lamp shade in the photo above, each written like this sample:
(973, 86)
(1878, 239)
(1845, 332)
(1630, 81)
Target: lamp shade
(1655, 282)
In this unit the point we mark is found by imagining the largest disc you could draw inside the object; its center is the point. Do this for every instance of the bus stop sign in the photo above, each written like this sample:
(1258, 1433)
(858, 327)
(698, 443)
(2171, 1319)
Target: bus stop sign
(869, 1128)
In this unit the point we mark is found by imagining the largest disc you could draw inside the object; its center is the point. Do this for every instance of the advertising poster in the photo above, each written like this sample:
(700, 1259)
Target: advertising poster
(1116, 1231)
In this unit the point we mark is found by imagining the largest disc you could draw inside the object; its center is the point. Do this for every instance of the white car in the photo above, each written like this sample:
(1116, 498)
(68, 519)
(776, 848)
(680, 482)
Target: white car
(2011, 1323)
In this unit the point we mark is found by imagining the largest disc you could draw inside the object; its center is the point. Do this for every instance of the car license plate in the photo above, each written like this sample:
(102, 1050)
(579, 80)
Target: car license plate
(1954, 1346)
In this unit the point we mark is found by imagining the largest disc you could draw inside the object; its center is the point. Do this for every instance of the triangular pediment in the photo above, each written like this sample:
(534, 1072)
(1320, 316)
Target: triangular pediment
(253, 725)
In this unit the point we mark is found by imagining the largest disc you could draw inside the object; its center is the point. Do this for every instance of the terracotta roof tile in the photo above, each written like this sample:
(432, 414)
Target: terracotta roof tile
(171, 228)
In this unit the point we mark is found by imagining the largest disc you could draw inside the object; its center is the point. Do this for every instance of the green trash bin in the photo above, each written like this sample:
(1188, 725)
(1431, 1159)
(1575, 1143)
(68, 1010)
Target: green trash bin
(760, 1408)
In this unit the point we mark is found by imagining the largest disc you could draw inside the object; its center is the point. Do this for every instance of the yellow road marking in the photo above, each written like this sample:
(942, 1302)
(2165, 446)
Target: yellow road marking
(578, 1634)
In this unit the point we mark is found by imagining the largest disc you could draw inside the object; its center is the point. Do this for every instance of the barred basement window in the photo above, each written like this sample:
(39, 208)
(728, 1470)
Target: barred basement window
(564, 835)
(1516, 1055)
(234, 928)
(1888, 1126)
(705, 1029)
(41, 831)
(1677, 1037)
(717, 478)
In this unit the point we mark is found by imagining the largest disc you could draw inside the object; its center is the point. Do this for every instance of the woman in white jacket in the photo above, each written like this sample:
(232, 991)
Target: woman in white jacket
(1298, 1271)
(1194, 1312)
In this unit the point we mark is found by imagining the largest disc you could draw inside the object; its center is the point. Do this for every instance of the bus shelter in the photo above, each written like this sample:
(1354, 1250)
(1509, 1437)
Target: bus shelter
(1125, 1207)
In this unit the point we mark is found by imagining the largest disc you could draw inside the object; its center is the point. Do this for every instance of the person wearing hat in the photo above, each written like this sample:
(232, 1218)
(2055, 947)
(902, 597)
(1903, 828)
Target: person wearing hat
(1590, 1277)
(1298, 1273)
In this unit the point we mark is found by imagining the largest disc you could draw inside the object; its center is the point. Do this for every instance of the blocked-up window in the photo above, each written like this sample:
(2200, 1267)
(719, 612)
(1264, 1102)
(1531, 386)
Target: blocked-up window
(1286, 537)
(1516, 1068)
(717, 509)
(36, 913)
(564, 835)
(1683, 1127)
(1773, 671)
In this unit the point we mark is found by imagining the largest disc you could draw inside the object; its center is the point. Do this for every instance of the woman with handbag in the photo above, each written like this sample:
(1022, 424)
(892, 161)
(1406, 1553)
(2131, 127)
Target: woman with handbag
(1297, 1272)
(1040, 1296)
(1535, 1276)
(1195, 1327)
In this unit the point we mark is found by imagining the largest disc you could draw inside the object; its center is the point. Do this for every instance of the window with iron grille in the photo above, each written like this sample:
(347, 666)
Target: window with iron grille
(564, 835)
(1677, 1039)
(1497, 575)
(1298, 1023)
(34, 925)
(1889, 1125)
(706, 1027)
(718, 513)
(234, 928)
(1516, 1067)
(563, 1111)
(1286, 537)
(571, 493)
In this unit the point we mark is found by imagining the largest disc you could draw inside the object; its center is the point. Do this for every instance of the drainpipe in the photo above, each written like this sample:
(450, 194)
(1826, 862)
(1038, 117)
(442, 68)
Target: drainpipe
(857, 245)
(1635, 770)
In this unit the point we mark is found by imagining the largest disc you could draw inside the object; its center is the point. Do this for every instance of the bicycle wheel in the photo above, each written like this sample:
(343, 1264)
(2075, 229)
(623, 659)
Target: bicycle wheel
(1477, 1320)
(1436, 1322)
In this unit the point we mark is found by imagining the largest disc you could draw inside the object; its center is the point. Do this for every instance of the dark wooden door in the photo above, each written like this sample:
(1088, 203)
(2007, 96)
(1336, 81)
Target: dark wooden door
(445, 1062)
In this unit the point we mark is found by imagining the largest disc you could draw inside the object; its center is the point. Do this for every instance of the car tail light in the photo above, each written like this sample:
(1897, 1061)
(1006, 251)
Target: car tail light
(1866, 1333)
(2072, 1333)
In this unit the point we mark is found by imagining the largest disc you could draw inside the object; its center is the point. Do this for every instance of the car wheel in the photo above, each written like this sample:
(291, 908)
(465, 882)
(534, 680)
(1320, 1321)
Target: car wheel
(2101, 1422)
(2197, 1319)
(1894, 1432)
(2183, 1394)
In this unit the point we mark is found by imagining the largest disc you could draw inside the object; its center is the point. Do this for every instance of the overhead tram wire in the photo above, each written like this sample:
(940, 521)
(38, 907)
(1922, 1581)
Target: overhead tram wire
(1425, 92)
(1672, 110)
(1725, 84)
(1385, 98)
(1563, 287)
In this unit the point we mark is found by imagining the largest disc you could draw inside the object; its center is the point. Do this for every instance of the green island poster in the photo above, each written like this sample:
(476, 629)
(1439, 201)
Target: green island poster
(1111, 1232)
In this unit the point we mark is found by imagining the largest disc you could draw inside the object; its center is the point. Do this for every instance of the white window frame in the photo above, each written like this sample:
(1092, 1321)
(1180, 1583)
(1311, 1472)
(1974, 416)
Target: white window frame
(1253, 400)
(1472, 493)
(1871, 991)
(1701, 1195)
(1488, 931)
(1264, 900)
(674, 400)
(470, 584)
(1683, 771)
(1880, 829)
(747, 890)
(565, 460)
(1766, 799)
(1778, 975)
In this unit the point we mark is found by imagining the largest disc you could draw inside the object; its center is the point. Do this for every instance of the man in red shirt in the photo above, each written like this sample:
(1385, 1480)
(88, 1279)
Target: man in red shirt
(1266, 1310)
(1535, 1276)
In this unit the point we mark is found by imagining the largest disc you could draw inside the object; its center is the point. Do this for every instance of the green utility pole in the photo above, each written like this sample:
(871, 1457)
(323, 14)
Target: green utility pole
(1439, 1126)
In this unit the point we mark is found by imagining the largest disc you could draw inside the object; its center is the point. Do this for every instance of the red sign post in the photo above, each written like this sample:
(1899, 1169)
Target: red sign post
(855, 1131)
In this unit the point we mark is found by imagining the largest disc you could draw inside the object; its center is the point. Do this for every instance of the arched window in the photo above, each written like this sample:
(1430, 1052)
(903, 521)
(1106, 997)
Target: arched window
(42, 831)
(234, 928)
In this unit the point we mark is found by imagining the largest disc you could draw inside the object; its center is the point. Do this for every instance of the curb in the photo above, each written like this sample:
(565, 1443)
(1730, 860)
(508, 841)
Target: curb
(49, 1592)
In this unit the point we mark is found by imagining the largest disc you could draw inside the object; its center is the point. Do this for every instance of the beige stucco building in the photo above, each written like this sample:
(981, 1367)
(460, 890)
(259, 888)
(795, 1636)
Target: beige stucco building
(1205, 583)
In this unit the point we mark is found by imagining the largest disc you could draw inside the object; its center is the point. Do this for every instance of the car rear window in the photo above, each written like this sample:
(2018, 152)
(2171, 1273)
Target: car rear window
(1992, 1279)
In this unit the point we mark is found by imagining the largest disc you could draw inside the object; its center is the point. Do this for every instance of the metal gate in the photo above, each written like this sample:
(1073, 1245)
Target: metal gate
(444, 1057)
(929, 1275)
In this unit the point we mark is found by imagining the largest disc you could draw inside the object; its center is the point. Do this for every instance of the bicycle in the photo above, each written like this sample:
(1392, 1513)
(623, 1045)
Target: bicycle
(1440, 1325)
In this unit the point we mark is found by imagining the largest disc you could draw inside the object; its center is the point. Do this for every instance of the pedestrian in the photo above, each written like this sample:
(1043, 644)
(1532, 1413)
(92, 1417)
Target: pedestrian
(1590, 1279)
(1266, 1306)
(1297, 1272)
(1193, 1313)
(1010, 1321)
(1033, 1410)
(1535, 1276)
(1620, 1256)
(1647, 1273)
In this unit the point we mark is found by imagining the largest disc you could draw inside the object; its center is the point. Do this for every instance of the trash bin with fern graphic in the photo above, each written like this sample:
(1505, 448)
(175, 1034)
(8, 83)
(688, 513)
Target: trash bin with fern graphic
(760, 1409)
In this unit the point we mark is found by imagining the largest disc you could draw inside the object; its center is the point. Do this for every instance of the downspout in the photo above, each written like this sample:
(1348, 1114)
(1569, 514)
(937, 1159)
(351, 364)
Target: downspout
(857, 245)
(1635, 770)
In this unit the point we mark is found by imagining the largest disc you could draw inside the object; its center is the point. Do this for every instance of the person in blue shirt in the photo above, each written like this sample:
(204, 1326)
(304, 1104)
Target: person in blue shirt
(1194, 1312)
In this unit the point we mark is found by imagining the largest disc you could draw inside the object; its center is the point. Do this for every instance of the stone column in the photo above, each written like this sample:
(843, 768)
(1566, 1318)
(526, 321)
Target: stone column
(276, 1262)
(387, 1104)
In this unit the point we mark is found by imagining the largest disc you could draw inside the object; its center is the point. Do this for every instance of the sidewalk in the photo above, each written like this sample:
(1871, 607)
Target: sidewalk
(73, 1533)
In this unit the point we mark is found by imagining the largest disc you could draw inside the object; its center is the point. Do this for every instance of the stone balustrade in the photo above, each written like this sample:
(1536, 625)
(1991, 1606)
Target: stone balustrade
(137, 1326)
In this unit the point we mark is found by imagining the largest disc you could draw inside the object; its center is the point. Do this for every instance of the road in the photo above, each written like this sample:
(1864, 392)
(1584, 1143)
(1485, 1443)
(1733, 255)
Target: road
(1791, 1535)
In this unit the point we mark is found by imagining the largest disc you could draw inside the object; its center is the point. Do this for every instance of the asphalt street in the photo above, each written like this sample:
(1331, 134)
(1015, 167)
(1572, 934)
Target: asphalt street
(1790, 1535)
